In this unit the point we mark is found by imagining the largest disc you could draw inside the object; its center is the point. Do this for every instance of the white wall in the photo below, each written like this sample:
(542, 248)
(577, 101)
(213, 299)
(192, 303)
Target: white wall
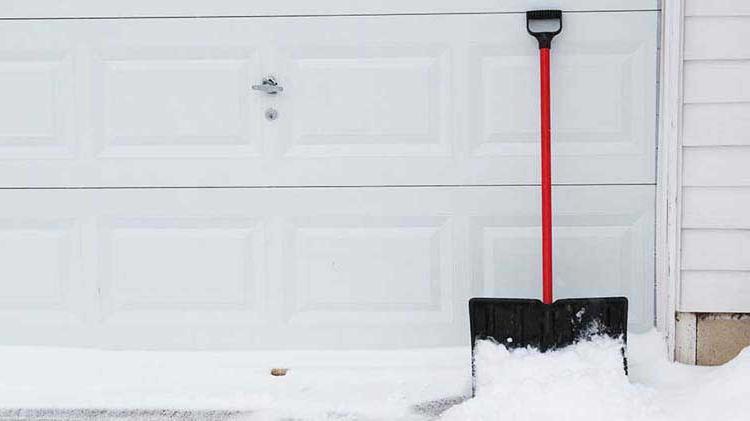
(715, 253)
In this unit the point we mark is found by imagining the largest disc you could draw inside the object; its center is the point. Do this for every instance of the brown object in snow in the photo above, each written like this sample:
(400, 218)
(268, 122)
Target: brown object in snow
(279, 371)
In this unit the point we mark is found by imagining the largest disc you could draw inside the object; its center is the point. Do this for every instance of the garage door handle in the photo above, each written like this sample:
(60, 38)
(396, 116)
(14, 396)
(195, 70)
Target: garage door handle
(269, 86)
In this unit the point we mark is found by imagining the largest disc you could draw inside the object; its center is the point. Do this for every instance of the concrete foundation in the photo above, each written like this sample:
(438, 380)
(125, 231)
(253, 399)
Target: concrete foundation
(720, 337)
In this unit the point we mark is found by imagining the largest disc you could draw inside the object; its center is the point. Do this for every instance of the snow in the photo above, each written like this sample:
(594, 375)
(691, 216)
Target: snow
(586, 382)
(583, 382)
(319, 384)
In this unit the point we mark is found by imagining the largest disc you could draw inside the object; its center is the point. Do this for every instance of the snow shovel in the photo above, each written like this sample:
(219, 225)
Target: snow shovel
(546, 324)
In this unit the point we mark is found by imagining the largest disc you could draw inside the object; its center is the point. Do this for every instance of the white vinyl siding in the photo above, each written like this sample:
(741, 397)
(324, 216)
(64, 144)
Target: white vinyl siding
(715, 256)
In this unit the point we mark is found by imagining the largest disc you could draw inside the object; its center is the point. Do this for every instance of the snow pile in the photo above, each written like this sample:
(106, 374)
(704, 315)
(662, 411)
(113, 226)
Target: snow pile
(581, 382)
(720, 394)
(586, 382)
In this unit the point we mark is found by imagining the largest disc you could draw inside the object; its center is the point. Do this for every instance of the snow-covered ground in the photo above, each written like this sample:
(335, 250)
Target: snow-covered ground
(337, 385)
(586, 382)
(581, 383)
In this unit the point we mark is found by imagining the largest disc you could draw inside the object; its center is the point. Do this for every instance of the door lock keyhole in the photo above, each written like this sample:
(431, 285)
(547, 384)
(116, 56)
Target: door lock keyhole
(271, 114)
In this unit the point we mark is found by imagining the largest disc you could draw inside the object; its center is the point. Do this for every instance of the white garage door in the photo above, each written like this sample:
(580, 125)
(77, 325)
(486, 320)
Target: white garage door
(149, 202)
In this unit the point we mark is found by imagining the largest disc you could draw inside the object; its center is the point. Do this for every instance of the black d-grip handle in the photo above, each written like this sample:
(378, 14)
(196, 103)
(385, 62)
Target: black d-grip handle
(544, 38)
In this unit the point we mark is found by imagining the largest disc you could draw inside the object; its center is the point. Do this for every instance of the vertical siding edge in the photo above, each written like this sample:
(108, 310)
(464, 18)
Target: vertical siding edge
(668, 204)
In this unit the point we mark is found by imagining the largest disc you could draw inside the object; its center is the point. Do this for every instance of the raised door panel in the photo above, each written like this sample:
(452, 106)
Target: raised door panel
(603, 106)
(44, 298)
(37, 108)
(367, 101)
(179, 268)
(175, 103)
(38, 263)
(371, 270)
(602, 246)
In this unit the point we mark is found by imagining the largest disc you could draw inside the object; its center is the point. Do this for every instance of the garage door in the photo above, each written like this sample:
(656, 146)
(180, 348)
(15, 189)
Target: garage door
(152, 199)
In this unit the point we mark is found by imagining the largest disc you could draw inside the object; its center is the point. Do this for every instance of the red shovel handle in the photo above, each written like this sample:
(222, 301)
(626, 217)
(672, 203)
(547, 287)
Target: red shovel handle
(545, 42)
(546, 179)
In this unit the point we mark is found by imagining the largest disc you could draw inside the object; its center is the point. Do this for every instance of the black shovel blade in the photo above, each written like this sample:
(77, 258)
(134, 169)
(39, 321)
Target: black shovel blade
(521, 323)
